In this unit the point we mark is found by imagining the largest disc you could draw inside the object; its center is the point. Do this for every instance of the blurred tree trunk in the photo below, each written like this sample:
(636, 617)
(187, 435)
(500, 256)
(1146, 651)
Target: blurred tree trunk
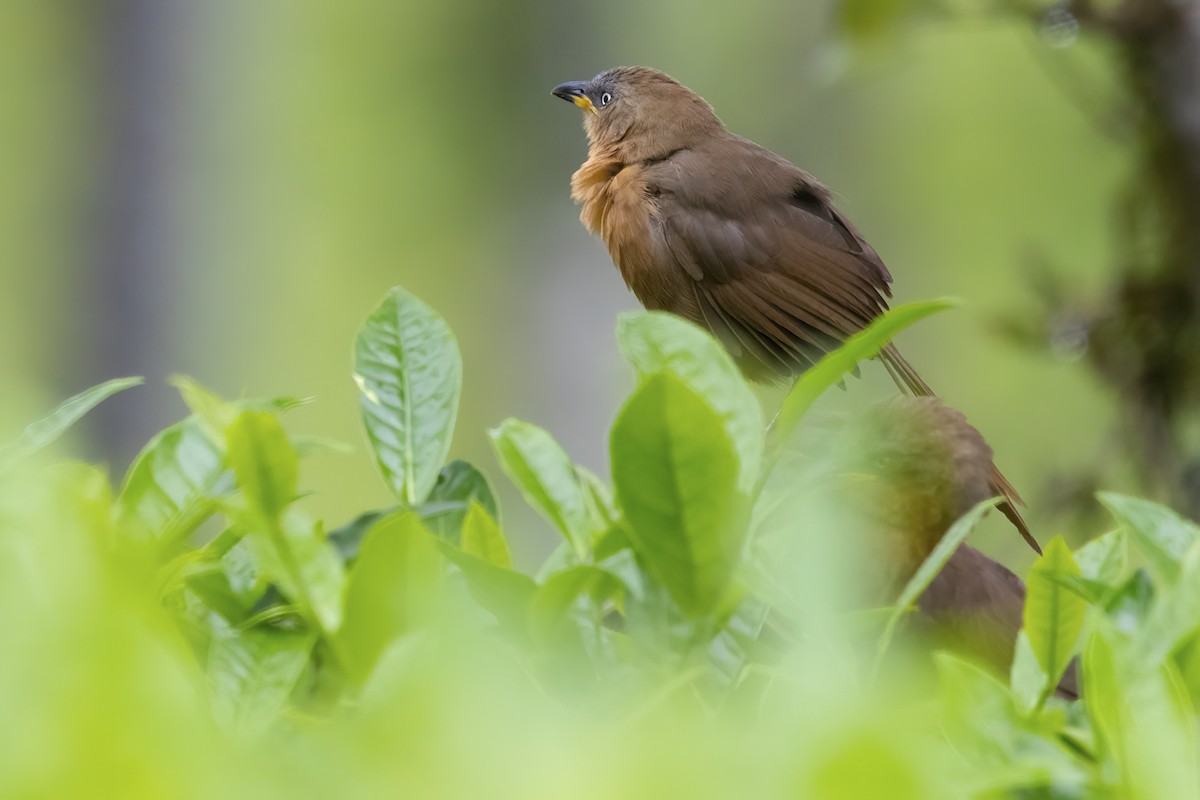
(128, 279)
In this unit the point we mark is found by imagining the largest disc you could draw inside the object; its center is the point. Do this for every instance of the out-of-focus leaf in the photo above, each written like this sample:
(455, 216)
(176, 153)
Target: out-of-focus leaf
(409, 375)
(211, 585)
(46, 431)
(676, 478)
(835, 366)
(1130, 604)
(348, 538)
(1053, 615)
(1030, 684)
(543, 472)
(482, 538)
(1162, 535)
(1174, 618)
(394, 587)
(1105, 558)
(264, 462)
(554, 599)
(655, 341)
(459, 484)
(929, 570)
(602, 508)
(291, 549)
(253, 673)
(503, 592)
(171, 486)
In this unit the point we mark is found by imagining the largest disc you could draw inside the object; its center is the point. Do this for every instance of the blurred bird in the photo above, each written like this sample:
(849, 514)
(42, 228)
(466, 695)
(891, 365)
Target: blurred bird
(711, 226)
(929, 467)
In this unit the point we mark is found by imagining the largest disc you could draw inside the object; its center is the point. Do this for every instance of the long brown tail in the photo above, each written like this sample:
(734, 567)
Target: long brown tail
(910, 383)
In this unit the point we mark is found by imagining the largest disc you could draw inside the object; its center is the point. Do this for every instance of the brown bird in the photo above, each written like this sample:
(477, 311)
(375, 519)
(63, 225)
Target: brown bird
(931, 467)
(711, 226)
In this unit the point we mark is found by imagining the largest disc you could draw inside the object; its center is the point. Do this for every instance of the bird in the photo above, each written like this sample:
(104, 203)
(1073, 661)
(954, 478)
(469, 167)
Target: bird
(712, 227)
(927, 467)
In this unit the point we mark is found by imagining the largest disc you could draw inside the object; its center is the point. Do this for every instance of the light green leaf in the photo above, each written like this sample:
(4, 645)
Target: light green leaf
(1053, 614)
(171, 486)
(409, 375)
(1161, 534)
(676, 477)
(655, 341)
(482, 538)
(835, 366)
(291, 549)
(929, 570)
(543, 472)
(1030, 684)
(503, 592)
(47, 430)
(253, 672)
(552, 604)
(1105, 558)
(1174, 617)
(394, 587)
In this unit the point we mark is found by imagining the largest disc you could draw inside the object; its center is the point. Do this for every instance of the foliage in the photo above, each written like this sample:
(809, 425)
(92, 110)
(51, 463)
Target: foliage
(198, 634)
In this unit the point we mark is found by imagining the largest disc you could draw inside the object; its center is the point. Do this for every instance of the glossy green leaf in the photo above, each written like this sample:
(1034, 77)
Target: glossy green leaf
(834, 367)
(171, 486)
(543, 472)
(929, 570)
(482, 538)
(394, 587)
(46, 431)
(676, 476)
(409, 375)
(655, 341)
(1163, 536)
(1053, 615)
(253, 673)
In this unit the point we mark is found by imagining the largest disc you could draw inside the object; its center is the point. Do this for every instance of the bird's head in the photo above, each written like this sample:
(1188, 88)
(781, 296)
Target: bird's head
(638, 113)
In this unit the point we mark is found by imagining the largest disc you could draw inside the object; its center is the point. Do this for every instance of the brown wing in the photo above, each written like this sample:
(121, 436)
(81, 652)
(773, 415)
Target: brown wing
(776, 271)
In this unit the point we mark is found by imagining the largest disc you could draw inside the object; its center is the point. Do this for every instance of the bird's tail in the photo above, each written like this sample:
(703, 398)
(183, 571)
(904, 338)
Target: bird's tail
(910, 383)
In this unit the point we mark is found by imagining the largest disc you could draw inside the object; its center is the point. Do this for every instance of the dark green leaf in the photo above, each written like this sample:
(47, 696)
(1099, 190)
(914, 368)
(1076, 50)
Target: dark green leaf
(676, 478)
(409, 374)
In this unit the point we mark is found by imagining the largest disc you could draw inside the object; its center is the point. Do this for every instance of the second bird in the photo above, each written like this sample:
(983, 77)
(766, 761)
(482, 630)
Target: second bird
(712, 227)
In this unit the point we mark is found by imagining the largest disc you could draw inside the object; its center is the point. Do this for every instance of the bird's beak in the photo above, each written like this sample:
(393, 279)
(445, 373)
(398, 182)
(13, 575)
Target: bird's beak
(573, 92)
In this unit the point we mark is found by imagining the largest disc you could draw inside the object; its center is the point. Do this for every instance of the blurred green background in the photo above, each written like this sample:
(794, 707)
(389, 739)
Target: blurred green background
(225, 189)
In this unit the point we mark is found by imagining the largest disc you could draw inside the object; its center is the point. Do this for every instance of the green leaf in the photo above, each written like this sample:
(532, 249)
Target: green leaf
(459, 484)
(831, 369)
(655, 341)
(171, 486)
(929, 570)
(1161, 534)
(409, 375)
(1104, 559)
(1053, 614)
(1030, 683)
(253, 673)
(41, 434)
(504, 593)
(1174, 618)
(554, 600)
(482, 538)
(394, 587)
(676, 479)
(543, 472)
(264, 462)
(291, 549)
(602, 508)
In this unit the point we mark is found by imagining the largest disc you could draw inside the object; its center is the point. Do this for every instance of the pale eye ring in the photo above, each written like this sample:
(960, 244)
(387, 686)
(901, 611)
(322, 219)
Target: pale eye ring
(605, 99)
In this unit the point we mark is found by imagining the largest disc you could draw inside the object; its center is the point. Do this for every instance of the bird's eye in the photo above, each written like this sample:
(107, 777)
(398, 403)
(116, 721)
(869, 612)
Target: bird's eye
(605, 99)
